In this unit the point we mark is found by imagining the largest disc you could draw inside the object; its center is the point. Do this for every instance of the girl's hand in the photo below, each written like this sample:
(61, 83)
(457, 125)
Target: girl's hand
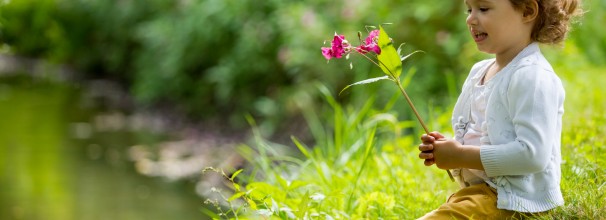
(447, 154)
(427, 147)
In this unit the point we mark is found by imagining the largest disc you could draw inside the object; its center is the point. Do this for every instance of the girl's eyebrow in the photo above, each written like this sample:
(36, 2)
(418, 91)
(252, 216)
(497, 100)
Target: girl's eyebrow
(477, 1)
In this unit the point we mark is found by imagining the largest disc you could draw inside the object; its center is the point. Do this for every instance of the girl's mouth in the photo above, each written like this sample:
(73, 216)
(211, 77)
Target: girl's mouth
(479, 36)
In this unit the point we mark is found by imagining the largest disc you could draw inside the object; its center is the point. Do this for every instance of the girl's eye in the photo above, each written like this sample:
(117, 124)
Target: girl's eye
(480, 9)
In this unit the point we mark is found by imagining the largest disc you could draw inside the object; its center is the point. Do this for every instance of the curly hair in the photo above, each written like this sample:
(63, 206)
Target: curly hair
(553, 18)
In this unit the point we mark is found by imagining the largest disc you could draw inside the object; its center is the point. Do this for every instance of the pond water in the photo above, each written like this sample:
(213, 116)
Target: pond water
(53, 165)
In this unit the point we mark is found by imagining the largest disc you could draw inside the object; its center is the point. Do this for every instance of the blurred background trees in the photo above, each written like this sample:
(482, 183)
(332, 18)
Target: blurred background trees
(214, 57)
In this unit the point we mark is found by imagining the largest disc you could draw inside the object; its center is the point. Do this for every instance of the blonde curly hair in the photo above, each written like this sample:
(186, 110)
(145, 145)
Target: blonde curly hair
(553, 18)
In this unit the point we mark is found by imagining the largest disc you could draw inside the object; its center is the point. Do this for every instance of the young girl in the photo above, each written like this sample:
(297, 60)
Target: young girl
(508, 118)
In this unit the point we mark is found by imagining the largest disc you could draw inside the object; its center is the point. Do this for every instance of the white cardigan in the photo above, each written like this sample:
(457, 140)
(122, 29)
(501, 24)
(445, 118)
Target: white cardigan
(524, 124)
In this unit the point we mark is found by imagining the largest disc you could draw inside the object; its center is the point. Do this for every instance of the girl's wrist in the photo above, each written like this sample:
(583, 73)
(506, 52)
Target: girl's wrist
(469, 157)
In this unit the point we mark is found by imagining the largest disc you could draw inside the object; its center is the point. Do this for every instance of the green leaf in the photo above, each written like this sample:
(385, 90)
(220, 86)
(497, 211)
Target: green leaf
(303, 206)
(233, 176)
(210, 213)
(274, 206)
(302, 148)
(367, 81)
(252, 204)
(296, 184)
(389, 60)
(235, 196)
(410, 54)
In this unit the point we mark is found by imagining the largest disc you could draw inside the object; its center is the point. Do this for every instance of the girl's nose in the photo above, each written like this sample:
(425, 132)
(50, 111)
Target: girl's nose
(471, 19)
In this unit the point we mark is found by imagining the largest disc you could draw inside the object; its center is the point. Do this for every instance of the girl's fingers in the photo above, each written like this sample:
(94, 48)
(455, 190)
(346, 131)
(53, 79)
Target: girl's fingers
(427, 139)
(436, 135)
(425, 147)
(426, 155)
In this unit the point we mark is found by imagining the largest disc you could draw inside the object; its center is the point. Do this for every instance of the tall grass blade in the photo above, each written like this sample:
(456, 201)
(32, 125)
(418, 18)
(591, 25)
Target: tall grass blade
(369, 148)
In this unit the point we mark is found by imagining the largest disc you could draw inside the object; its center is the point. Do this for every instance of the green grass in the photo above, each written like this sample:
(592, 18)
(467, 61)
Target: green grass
(361, 167)
(583, 139)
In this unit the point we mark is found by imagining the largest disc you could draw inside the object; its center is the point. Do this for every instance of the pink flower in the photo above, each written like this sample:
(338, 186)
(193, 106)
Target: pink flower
(327, 52)
(370, 43)
(339, 46)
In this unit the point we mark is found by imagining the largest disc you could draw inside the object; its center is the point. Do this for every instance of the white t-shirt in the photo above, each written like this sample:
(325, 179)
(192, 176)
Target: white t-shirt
(476, 133)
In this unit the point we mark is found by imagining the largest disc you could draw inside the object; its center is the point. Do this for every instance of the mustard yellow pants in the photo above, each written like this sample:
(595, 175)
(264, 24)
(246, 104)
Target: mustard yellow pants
(474, 202)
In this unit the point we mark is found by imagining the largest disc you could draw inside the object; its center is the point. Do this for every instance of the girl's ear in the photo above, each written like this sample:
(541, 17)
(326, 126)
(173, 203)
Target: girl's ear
(531, 11)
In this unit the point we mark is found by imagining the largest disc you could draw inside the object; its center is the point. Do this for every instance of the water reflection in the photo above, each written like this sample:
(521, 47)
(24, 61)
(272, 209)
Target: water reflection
(57, 161)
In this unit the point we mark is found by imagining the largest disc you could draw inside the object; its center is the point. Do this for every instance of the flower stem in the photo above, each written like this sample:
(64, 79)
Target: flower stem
(412, 106)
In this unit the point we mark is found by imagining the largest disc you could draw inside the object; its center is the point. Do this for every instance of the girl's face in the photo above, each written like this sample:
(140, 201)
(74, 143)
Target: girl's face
(496, 27)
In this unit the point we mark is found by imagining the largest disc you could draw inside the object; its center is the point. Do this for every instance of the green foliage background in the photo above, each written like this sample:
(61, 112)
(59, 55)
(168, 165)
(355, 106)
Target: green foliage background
(210, 57)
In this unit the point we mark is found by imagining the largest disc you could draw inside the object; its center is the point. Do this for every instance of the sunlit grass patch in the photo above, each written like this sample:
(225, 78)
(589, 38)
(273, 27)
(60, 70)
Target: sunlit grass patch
(583, 136)
(368, 171)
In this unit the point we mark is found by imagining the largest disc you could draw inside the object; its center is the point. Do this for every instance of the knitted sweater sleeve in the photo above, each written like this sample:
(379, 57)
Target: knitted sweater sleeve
(532, 107)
